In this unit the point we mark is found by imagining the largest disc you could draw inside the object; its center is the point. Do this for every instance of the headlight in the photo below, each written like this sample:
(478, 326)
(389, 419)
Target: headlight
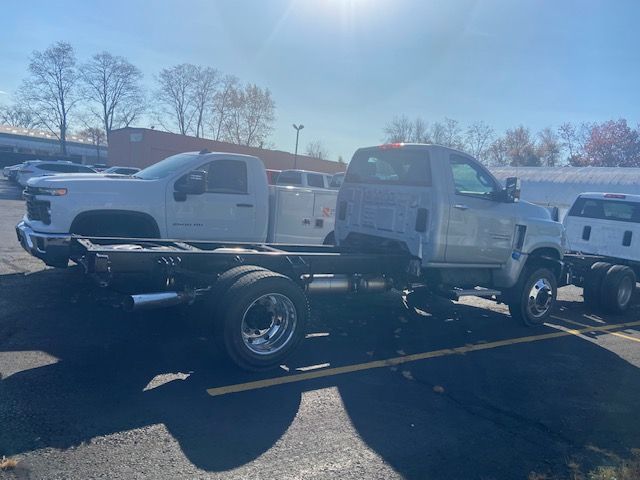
(56, 192)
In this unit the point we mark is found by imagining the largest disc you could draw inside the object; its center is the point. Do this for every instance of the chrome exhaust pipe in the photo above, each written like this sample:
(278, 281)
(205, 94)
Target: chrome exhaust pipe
(148, 301)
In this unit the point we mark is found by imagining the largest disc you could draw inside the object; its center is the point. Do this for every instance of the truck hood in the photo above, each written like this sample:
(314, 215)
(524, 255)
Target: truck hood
(530, 210)
(68, 178)
(101, 187)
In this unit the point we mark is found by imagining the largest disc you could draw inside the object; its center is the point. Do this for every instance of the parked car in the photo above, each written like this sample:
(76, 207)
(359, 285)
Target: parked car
(122, 170)
(43, 168)
(9, 172)
(99, 167)
(192, 196)
(303, 178)
(12, 172)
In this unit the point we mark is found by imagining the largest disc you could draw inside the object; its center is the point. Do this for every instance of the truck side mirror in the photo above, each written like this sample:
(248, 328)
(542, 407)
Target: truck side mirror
(194, 183)
(512, 189)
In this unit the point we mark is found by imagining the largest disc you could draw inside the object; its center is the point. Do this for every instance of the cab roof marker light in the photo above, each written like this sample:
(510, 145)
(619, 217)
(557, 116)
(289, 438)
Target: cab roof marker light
(619, 196)
(388, 146)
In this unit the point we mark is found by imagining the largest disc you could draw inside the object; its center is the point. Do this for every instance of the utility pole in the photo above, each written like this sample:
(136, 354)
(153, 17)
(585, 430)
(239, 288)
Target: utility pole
(295, 157)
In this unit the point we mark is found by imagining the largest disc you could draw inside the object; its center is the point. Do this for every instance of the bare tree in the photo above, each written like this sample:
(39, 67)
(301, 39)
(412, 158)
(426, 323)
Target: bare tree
(112, 84)
(18, 116)
(50, 92)
(420, 131)
(452, 133)
(398, 130)
(521, 148)
(205, 81)
(251, 116)
(478, 139)
(497, 153)
(316, 149)
(222, 103)
(96, 135)
(569, 138)
(403, 130)
(175, 95)
(549, 147)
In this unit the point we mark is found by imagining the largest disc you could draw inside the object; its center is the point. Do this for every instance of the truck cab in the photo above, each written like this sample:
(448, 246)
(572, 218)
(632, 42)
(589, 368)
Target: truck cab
(606, 224)
(444, 207)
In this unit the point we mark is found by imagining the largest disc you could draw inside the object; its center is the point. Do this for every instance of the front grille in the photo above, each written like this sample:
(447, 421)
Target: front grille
(37, 210)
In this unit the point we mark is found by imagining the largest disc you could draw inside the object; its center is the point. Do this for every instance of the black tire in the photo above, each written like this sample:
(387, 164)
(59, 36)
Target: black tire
(330, 239)
(592, 289)
(215, 298)
(255, 339)
(542, 283)
(618, 287)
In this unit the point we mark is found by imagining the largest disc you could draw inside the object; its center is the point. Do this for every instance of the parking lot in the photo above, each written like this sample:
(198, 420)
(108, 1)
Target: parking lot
(376, 391)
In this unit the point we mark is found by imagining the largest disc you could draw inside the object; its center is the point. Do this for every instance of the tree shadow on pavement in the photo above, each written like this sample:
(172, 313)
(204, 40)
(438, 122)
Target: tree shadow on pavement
(100, 383)
(498, 413)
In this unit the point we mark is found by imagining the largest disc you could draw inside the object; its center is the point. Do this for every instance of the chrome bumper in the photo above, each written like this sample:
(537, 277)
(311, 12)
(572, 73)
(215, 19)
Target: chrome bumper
(52, 248)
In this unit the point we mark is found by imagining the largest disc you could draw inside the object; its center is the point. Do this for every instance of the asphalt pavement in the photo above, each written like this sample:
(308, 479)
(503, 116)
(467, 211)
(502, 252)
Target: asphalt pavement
(460, 391)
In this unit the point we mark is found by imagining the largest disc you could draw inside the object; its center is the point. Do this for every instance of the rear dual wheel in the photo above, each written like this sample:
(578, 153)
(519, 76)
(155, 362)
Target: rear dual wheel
(260, 318)
(609, 287)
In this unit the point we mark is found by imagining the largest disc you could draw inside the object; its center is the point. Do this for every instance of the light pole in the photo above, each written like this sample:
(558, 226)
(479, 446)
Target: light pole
(295, 157)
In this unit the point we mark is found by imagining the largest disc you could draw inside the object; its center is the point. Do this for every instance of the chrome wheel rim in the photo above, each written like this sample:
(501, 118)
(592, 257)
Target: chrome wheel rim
(268, 324)
(625, 290)
(540, 298)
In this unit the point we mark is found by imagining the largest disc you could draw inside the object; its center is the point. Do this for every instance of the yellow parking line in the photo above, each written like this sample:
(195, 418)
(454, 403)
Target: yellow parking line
(617, 334)
(389, 362)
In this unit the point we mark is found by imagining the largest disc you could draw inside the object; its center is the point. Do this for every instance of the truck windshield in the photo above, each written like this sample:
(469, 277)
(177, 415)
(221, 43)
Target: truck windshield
(390, 167)
(164, 168)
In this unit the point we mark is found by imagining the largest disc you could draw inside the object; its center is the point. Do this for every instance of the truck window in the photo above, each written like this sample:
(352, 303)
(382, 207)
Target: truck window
(315, 180)
(227, 176)
(390, 167)
(606, 210)
(471, 179)
(290, 178)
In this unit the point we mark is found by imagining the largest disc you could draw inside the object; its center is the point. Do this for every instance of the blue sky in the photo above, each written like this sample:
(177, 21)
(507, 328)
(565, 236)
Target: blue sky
(345, 67)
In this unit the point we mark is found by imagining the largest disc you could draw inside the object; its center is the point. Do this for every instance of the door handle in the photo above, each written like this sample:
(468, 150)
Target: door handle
(244, 205)
(460, 206)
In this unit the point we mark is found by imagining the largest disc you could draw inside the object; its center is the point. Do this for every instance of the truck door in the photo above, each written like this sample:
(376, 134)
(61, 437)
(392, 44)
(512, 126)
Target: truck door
(481, 227)
(226, 211)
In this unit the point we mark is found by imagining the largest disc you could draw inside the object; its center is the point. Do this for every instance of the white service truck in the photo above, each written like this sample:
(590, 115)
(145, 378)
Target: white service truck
(603, 235)
(425, 219)
(190, 196)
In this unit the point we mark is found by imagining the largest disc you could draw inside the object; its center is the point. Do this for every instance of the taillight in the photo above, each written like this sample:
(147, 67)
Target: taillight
(388, 146)
(619, 196)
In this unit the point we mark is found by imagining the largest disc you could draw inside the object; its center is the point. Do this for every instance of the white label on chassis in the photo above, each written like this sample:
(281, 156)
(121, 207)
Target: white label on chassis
(188, 224)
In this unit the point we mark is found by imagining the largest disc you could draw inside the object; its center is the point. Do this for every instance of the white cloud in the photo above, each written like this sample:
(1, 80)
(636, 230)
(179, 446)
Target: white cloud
(2, 92)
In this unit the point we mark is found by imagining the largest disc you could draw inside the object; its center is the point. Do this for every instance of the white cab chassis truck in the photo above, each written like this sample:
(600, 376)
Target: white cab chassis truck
(603, 240)
(422, 219)
(190, 196)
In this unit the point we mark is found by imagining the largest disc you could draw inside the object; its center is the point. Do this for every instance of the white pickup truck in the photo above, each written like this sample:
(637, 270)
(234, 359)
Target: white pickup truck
(190, 196)
(603, 235)
(420, 218)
